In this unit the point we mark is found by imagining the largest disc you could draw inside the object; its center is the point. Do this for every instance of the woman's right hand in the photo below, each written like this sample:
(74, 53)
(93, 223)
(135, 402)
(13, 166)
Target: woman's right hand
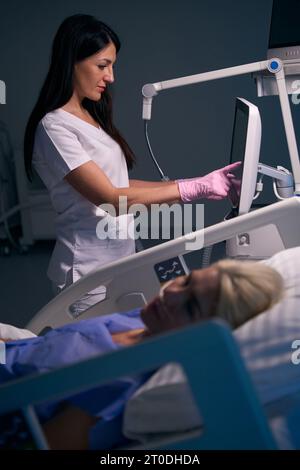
(216, 185)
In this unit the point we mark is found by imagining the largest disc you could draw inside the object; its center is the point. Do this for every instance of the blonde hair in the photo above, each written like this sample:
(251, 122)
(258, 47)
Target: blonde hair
(247, 288)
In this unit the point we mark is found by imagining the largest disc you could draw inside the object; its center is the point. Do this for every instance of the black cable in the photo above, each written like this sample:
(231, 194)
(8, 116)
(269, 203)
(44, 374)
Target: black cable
(161, 173)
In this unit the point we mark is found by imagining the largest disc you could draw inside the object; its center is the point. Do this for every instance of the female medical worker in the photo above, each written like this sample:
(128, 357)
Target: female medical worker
(73, 145)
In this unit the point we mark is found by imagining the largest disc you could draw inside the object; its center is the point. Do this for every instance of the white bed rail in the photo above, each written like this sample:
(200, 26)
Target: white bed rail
(134, 277)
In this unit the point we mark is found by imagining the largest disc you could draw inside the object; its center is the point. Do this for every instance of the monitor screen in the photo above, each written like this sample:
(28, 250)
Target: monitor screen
(245, 147)
(284, 29)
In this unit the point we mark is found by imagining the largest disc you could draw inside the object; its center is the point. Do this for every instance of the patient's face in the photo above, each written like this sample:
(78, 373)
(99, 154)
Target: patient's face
(185, 300)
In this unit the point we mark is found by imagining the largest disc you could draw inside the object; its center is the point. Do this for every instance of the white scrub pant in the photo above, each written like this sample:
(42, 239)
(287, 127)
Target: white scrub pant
(115, 250)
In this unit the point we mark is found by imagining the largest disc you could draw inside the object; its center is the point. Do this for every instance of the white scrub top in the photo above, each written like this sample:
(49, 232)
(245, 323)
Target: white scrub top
(63, 142)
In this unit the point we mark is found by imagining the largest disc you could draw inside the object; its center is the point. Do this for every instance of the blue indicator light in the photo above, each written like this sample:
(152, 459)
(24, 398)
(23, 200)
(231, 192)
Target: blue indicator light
(274, 65)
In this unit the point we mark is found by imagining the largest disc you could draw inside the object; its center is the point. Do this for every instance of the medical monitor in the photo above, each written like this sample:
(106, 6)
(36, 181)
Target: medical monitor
(284, 38)
(245, 147)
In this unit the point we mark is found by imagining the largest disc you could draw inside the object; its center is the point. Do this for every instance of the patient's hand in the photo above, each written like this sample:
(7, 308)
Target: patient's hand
(128, 338)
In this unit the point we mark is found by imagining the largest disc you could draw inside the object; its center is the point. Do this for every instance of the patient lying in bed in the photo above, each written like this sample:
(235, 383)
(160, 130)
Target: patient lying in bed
(232, 290)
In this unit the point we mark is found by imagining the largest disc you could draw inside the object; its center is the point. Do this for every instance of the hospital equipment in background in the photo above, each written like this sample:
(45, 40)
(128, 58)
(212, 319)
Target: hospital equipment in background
(245, 146)
(273, 76)
(125, 292)
(35, 209)
(232, 415)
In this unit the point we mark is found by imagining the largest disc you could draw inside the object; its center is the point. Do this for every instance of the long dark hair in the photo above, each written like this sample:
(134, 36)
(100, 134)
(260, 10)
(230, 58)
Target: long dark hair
(78, 37)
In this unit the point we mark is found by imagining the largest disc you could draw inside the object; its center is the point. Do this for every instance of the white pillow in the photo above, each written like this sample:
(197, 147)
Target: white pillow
(164, 404)
(13, 333)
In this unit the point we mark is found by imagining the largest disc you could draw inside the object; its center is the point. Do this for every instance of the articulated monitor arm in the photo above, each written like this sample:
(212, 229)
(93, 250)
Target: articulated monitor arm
(283, 180)
(274, 66)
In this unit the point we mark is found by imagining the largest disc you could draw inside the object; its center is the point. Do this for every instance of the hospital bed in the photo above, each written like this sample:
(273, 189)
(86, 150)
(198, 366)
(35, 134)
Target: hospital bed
(133, 281)
(231, 414)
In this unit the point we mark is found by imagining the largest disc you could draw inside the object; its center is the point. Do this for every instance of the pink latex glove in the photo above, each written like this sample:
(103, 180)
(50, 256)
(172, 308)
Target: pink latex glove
(216, 185)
